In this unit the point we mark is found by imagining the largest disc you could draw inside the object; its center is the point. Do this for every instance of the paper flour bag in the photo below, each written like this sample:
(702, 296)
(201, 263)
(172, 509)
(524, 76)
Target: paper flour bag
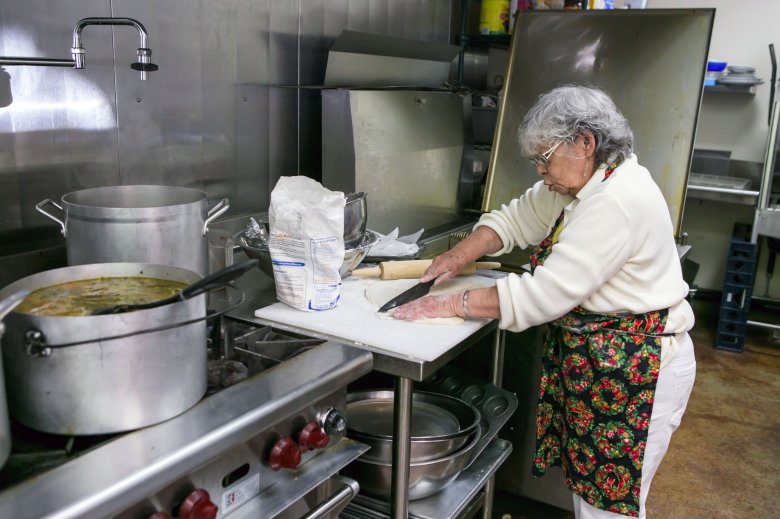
(306, 224)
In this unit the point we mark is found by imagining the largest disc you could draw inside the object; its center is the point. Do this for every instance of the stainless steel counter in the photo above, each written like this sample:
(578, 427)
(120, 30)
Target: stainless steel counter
(117, 478)
(259, 292)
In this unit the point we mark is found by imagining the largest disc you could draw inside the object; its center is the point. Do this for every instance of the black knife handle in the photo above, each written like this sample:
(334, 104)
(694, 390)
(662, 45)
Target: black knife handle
(416, 292)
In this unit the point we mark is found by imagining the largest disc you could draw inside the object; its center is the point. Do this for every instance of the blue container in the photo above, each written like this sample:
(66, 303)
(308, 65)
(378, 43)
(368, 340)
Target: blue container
(716, 66)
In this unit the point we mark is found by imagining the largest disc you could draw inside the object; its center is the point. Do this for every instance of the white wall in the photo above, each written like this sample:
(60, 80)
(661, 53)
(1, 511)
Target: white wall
(741, 35)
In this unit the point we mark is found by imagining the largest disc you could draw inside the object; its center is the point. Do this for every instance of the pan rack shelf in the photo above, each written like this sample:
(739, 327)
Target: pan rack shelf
(501, 41)
(454, 502)
(731, 89)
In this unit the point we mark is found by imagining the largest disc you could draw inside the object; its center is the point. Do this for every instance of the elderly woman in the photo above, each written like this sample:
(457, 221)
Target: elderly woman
(618, 363)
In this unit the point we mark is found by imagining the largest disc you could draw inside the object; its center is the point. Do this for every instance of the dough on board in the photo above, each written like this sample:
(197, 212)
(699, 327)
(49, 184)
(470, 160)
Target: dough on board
(381, 292)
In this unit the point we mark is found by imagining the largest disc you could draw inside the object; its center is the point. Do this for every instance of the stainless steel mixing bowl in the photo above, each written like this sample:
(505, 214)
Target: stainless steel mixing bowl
(441, 424)
(355, 217)
(352, 257)
(425, 477)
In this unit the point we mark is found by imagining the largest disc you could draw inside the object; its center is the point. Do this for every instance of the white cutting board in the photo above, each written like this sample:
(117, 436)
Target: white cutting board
(355, 321)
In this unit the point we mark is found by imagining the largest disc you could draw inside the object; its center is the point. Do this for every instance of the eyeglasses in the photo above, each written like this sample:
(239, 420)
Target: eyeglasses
(544, 158)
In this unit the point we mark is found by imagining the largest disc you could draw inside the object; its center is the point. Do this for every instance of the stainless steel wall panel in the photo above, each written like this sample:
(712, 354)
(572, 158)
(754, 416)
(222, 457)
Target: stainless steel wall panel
(212, 117)
(284, 110)
(160, 120)
(323, 21)
(334, 17)
(358, 15)
(378, 19)
(396, 18)
(59, 132)
(427, 20)
(426, 13)
(319, 27)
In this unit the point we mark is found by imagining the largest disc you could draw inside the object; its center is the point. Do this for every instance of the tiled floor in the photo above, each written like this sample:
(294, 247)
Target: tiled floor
(724, 460)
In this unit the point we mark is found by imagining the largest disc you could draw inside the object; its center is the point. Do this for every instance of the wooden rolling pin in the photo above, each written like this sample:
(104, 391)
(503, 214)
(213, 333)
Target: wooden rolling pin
(413, 269)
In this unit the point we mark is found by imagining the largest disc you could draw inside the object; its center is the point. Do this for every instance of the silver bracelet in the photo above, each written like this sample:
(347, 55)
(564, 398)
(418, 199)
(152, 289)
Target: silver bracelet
(466, 305)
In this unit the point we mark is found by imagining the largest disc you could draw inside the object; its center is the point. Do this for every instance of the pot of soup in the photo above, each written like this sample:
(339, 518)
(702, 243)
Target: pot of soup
(148, 224)
(69, 372)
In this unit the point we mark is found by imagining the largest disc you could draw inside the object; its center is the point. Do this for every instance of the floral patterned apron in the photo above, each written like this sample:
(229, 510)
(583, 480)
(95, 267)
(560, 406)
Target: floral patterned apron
(599, 373)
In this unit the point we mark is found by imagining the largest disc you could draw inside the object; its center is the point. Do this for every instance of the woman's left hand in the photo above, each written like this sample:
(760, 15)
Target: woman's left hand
(429, 306)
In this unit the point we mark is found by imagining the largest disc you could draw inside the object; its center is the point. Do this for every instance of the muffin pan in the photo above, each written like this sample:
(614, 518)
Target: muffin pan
(495, 405)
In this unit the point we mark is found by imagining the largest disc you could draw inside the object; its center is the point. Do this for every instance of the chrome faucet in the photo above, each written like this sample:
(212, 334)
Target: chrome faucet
(143, 65)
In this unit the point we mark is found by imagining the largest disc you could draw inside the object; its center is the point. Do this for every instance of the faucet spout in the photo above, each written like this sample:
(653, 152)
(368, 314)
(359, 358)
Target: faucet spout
(144, 64)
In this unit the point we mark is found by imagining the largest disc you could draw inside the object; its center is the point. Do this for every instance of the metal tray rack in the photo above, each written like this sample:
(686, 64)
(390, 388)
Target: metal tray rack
(456, 501)
(461, 499)
(721, 181)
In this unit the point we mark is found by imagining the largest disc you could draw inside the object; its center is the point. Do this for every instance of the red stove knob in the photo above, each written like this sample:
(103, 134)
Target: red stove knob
(198, 505)
(313, 437)
(285, 454)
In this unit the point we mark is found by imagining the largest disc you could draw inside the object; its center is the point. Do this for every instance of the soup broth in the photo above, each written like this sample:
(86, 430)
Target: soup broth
(82, 297)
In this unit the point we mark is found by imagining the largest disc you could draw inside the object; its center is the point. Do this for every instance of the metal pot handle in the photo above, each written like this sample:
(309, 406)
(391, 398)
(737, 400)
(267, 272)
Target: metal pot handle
(215, 212)
(49, 201)
(37, 345)
(336, 501)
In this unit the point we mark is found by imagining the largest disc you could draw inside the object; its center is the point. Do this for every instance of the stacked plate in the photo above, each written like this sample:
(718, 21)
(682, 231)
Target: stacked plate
(739, 75)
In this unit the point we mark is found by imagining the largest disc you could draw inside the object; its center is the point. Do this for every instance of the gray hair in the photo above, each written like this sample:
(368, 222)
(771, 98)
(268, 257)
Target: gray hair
(566, 112)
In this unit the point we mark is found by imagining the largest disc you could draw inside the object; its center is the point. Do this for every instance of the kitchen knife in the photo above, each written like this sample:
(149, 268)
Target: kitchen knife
(416, 292)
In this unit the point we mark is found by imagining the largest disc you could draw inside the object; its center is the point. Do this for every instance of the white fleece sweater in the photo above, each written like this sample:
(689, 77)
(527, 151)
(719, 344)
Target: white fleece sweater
(616, 253)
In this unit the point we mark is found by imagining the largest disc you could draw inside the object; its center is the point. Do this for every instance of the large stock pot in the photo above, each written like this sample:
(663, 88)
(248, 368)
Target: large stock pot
(6, 305)
(147, 224)
(104, 384)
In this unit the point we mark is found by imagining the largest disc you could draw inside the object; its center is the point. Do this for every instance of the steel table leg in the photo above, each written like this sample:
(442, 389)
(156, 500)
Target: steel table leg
(402, 433)
(496, 378)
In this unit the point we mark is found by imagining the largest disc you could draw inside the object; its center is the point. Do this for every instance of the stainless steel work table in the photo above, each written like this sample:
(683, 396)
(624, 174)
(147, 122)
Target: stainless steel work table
(259, 292)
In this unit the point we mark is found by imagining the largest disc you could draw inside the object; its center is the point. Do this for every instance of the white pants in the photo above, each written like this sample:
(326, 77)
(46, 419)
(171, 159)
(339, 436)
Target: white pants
(672, 390)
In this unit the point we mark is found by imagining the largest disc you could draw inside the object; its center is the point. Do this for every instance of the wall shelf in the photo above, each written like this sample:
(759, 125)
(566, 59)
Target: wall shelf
(731, 89)
(492, 40)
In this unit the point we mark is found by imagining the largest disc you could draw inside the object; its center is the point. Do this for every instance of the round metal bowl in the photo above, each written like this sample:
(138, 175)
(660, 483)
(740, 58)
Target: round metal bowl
(352, 257)
(425, 477)
(440, 425)
(355, 217)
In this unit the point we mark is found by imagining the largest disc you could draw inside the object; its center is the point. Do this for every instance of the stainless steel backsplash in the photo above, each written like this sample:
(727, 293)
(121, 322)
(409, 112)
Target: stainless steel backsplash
(214, 117)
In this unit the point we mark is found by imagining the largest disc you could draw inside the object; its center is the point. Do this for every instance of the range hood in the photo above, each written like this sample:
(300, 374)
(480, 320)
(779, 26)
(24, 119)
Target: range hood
(361, 60)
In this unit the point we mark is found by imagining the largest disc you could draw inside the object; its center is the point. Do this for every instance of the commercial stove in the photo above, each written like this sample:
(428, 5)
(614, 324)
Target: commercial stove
(266, 441)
